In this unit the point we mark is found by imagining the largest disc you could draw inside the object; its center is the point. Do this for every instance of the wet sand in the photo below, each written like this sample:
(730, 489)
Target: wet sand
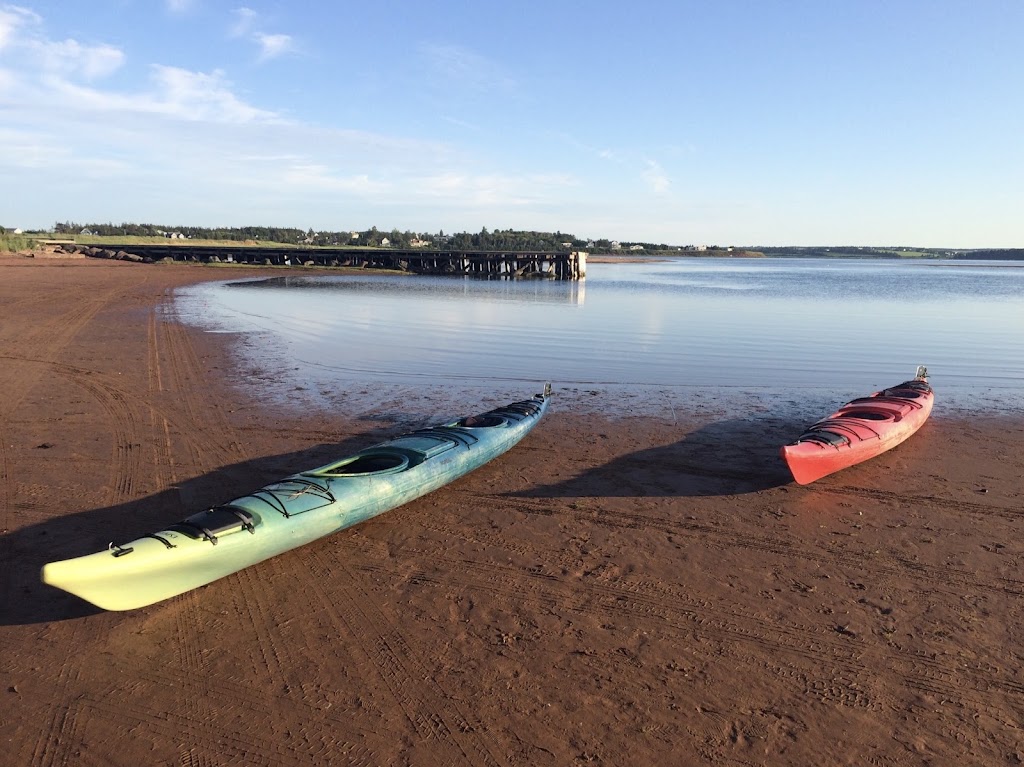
(638, 590)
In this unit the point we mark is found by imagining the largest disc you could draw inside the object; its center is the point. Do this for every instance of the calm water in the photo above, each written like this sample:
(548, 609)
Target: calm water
(771, 325)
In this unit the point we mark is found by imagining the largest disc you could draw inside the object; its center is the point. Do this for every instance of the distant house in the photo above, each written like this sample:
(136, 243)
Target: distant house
(354, 235)
(418, 243)
(636, 247)
(87, 232)
(385, 242)
(566, 244)
(615, 245)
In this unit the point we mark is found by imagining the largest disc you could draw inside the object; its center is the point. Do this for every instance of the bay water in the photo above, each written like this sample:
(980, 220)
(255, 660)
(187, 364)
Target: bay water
(642, 331)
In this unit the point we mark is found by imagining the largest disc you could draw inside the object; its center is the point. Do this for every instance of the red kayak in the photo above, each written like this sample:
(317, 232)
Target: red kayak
(860, 430)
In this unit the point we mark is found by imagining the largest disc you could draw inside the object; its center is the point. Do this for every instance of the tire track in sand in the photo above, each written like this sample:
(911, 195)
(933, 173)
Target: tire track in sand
(458, 737)
(51, 331)
(808, 648)
(184, 417)
(945, 579)
(215, 443)
(185, 375)
(128, 418)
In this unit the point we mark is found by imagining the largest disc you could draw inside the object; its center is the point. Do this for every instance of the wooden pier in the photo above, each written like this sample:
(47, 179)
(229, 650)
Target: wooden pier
(569, 265)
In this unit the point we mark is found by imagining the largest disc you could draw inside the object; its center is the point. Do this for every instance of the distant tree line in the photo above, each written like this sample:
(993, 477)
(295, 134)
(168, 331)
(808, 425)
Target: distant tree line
(512, 240)
(834, 252)
(268, 233)
(999, 254)
(850, 251)
(484, 240)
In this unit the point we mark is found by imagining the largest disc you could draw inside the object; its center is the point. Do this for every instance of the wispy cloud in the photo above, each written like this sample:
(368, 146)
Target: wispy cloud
(458, 67)
(248, 24)
(272, 46)
(460, 123)
(489, 190)
(198, 95)
(244, 22)
(12, 18)
(656, 177)
(179, 6)
(185, 141)
(174, 92)
(316, 176)
(71, 58)
(35, 151)
(21, 34)
(630, 161)
(39, 71)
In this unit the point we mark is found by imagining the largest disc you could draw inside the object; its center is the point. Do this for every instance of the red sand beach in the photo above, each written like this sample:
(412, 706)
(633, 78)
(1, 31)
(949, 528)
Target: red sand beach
(634, 591)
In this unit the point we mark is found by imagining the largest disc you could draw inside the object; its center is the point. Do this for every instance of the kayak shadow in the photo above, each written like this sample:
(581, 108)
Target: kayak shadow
(25, 599)
(730, 457)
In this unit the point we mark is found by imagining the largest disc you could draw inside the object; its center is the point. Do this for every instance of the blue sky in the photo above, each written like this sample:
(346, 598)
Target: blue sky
(742, 122)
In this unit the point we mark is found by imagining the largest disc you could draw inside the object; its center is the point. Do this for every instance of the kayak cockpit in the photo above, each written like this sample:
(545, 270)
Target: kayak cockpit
(485, 421)
(394, 456)
(872, 414)
(366, 463)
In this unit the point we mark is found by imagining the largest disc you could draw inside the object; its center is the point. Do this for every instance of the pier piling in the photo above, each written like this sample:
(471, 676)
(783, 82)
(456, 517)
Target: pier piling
(507, 265)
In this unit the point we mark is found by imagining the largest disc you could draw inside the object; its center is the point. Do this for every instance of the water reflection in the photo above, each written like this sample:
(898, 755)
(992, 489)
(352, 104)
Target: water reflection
(539, 289)
(777, 324)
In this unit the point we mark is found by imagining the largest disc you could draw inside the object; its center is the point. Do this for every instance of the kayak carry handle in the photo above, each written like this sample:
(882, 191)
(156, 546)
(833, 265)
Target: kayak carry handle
(118, 550)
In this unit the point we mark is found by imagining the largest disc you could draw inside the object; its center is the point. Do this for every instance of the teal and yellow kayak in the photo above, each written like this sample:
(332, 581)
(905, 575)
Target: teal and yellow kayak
(301, 508)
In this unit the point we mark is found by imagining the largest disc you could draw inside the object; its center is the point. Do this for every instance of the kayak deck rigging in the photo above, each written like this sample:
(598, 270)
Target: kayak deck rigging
(275, 495)
(219, 520)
